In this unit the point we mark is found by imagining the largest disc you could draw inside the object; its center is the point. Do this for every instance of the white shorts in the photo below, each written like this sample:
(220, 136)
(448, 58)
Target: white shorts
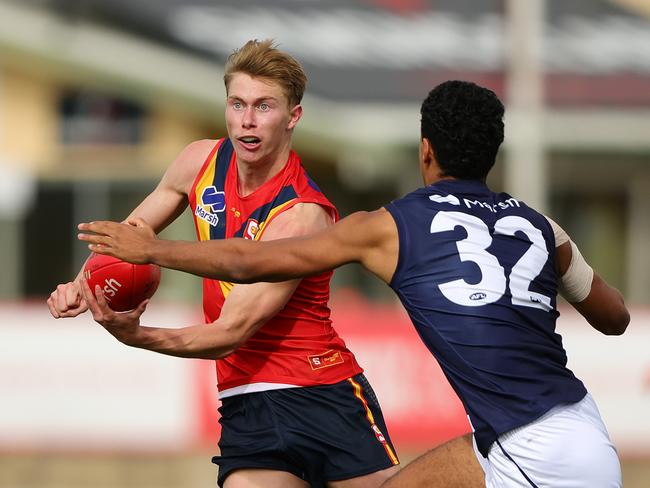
(568, 447)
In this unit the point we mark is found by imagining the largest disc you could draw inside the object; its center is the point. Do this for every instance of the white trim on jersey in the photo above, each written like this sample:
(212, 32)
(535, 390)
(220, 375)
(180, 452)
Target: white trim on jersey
(254, 387)
(567, 447)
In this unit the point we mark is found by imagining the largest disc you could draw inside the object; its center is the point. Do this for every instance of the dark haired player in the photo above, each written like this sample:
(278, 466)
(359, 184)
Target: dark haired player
(478, 273)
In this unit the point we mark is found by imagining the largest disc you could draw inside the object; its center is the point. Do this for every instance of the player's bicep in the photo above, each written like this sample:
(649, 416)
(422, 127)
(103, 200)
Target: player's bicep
(379, 249)
(302, 247)
(300, 220)
(250, 306)
(160, 208)
(575, 275)
(169, 198)
(369, 238)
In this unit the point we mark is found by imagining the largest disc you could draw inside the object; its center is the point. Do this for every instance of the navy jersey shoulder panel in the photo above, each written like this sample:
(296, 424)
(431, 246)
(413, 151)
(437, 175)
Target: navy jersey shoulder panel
(261, 213)
(224, 157)
(311, 182)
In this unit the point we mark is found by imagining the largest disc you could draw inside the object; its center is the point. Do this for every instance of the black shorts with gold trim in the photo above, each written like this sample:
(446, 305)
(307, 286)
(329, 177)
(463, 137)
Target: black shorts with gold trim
(318, 433)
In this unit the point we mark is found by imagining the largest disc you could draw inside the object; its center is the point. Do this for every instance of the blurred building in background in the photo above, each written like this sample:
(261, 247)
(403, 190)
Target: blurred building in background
(98, 96)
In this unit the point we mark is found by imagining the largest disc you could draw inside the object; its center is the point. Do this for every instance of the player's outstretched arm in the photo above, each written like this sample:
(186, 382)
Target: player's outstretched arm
(202, 341)
(369, 238)
(247, 307)
(159, 208)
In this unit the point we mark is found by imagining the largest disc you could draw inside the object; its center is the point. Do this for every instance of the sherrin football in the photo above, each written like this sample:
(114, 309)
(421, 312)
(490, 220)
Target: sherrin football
(125, 285)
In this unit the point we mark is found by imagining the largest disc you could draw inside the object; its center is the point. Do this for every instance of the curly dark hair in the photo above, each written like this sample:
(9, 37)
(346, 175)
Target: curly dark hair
(464, 124)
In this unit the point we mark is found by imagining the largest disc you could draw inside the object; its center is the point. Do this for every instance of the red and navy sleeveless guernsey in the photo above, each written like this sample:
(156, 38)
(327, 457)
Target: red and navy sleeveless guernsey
(476, 274)
(299, 346)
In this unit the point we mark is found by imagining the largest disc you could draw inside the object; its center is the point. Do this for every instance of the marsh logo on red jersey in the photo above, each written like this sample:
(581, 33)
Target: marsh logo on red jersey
(212, 201)
(252, 228)
(325, 360)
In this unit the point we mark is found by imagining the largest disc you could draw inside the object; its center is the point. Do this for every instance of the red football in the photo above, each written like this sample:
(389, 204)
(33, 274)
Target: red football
(125, 285)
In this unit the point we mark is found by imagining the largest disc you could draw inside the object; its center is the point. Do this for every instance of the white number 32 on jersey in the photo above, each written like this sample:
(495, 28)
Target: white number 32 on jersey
(493, 277)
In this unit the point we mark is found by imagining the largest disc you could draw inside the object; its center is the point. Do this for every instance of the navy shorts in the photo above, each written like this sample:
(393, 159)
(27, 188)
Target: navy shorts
(318, 433)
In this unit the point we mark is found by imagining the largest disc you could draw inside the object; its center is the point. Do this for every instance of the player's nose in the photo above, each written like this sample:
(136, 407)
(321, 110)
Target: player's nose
(248, 117)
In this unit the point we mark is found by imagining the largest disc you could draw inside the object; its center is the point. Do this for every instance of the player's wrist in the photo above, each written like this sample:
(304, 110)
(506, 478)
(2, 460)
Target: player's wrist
(154, 251)
(128, 334)
(164, 253)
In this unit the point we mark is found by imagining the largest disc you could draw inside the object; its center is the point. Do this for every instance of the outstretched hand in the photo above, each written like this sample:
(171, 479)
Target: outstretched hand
(128, 241)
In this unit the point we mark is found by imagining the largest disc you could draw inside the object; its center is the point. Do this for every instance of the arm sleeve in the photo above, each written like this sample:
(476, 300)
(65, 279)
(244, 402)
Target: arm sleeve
(575, 284)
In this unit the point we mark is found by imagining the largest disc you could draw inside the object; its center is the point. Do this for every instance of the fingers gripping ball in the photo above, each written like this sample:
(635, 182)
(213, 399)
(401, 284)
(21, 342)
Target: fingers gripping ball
(124, 285)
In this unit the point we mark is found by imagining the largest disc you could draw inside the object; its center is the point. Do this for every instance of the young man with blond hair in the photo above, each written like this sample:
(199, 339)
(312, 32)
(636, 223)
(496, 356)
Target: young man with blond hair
(296, 409)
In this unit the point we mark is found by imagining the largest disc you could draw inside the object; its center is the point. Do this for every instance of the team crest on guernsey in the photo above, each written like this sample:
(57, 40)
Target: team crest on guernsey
(251, 230)
(212, 201)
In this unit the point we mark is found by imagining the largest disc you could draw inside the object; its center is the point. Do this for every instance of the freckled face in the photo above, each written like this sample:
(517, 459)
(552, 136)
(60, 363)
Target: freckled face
(259, 120)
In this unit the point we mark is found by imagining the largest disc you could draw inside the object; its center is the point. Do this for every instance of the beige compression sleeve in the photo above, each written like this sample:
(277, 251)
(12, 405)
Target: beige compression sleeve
(575, 284)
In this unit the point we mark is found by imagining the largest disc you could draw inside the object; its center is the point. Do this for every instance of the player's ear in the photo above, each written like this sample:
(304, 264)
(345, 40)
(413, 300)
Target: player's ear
(428, 164)
(295, 113)
(426, 152)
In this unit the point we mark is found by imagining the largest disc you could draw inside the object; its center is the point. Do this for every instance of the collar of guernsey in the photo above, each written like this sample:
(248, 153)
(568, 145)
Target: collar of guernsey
(298, 346)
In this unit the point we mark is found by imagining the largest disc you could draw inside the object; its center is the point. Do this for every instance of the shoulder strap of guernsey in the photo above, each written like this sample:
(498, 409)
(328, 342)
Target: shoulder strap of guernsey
(222, 163)
(285, 198)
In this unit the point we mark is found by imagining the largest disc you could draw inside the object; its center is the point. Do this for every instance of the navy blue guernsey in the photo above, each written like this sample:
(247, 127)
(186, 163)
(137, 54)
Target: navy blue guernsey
(476, 275)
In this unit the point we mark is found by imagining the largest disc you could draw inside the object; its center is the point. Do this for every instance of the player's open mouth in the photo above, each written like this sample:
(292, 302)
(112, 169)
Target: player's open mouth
(249, 140)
